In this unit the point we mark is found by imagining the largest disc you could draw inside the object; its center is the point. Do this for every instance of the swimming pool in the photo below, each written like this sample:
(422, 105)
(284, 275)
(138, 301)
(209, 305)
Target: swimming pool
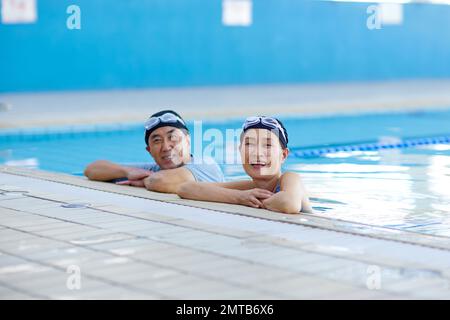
(398, 186)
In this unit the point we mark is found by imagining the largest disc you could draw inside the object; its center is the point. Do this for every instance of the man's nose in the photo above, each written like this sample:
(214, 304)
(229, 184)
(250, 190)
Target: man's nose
(167, 145)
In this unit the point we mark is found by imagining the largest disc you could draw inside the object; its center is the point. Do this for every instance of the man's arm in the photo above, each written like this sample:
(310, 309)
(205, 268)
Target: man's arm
(168, 180)
(102, 170)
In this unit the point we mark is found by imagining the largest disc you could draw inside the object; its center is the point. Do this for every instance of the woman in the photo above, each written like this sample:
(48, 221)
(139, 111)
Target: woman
(263, 150)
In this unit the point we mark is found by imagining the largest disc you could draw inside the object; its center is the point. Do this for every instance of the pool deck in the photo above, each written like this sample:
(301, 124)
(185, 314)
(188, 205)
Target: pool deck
(125, 106)
(129, 243)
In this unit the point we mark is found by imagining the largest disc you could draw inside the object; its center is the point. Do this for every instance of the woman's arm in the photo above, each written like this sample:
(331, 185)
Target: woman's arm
(292, 197)
(236, 192)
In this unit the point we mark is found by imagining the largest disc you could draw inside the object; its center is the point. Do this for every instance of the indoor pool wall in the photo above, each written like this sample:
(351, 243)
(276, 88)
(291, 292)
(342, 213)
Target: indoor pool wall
(184, 43)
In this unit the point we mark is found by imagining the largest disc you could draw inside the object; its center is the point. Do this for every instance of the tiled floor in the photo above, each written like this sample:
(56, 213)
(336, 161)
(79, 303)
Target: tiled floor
(128, 247)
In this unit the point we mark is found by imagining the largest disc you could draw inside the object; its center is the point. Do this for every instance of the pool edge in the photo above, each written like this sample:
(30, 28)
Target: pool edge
(329, 224)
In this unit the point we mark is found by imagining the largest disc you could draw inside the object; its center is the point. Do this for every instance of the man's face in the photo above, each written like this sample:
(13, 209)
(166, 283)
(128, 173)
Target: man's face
(170, 147)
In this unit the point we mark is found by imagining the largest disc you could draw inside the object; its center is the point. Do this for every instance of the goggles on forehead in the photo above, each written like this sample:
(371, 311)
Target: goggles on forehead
(164, 118)
(268, 122)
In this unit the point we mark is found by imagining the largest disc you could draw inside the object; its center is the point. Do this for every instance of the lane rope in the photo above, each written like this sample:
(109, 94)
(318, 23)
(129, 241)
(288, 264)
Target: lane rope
(405, 143)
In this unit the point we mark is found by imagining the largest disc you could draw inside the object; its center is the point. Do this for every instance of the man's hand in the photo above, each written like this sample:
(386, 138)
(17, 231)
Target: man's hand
(135, 178)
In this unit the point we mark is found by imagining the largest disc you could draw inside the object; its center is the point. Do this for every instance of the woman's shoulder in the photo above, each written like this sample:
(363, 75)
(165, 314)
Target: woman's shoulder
(290, 181)
(290, 175)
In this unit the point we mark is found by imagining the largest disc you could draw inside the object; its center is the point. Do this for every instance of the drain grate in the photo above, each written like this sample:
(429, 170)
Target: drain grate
(75, 205)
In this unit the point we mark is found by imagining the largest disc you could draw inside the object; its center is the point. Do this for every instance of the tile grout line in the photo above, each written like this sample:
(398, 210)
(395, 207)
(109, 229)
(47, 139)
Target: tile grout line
(22, 291)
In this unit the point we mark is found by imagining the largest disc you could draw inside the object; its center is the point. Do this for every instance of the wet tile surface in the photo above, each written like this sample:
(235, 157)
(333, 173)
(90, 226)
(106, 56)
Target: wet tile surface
(48, 251)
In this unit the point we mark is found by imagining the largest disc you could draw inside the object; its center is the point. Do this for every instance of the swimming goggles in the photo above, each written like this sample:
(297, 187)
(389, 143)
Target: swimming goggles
(164, 118)
(269, 122)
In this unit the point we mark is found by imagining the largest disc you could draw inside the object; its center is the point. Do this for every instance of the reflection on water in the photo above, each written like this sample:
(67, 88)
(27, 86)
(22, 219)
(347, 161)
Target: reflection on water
(408, 189)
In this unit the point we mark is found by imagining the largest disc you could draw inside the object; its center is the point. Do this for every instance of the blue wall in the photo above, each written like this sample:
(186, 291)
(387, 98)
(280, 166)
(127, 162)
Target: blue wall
(158, 43)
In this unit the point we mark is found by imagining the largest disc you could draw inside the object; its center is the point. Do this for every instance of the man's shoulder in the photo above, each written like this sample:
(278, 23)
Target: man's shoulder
(205, 169)
(205, 162)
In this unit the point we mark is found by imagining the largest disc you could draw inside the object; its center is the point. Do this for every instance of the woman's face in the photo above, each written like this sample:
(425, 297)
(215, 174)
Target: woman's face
(262, 154)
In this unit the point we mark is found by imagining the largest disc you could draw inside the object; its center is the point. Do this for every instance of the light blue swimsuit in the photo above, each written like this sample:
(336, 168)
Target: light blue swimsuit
(203, 172)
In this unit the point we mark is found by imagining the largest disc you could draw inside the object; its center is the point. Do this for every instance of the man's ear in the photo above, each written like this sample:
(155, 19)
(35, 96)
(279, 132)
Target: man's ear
(147, 148)
(285, 154)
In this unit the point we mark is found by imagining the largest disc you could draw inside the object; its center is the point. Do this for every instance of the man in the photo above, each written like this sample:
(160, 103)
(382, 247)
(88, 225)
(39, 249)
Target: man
(168, 142)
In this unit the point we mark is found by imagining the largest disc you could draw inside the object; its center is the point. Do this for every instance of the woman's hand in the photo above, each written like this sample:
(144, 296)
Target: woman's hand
(253, 197)
(284, 202)
(272, 203)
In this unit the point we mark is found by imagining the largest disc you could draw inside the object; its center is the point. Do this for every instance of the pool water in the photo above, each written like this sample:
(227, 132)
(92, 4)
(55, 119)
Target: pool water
(402, 188)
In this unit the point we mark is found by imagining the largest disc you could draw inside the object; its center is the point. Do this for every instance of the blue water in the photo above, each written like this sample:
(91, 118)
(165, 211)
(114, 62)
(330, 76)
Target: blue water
(405, 188)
